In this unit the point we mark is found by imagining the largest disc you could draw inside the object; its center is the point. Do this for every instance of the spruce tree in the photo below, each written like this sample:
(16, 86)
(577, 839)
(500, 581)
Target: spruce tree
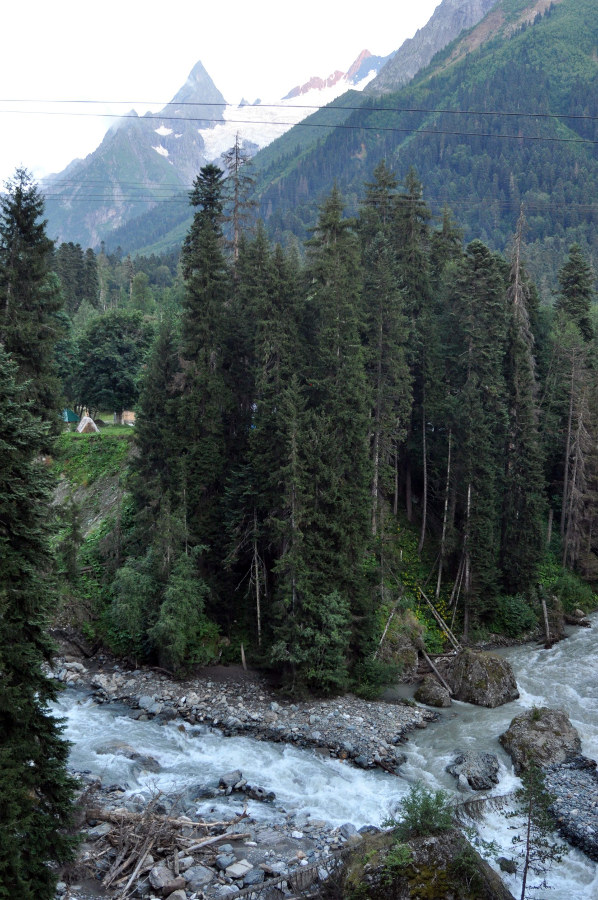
(336, 451)
(35, 790)
(386, 334)
(478, 324)
(267, 294)
(239, 185)
(205, 398)
(30, 297)
(411, 232)
(155, 470)
(576, 282)
(523, 506)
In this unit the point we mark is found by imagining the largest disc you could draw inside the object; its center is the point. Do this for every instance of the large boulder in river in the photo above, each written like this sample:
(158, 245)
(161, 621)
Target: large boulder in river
(540, 736)
(432, 693)
(480, 678)
(479, 769)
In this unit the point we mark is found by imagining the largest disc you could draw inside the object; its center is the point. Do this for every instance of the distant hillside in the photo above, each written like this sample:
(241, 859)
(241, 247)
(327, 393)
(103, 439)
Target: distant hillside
(525, 57)
(129, 213)
(128, 191)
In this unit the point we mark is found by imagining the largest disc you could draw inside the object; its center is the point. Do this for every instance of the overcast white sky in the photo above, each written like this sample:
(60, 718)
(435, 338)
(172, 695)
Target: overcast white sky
(141, 51)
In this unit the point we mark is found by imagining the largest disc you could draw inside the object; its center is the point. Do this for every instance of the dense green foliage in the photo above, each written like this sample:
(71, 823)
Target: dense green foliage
(31, 320)
(35, 790)
(423, 812)
(316, 439)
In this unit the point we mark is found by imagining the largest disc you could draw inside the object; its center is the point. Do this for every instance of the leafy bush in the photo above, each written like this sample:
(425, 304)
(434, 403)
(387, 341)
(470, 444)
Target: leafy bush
(399, 856)
(513, 616)
(423, 812)
(574, 593)
(371, 676)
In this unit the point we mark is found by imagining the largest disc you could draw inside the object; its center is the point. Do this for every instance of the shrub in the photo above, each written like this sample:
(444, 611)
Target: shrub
(513, 616)
(574, 593)
(423, 812)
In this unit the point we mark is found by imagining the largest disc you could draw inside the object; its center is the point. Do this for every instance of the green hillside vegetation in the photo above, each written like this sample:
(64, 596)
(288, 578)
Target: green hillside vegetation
(547, 66)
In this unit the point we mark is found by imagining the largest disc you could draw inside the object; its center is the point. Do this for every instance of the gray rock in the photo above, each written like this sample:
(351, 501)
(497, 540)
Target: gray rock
(348, 829)
(432, 693)
(239, 869)
(198, 876)
(480, 678)
(185, 863)
(178, 895)
(167, 714)
(542, 736)
(224, 860)
(145, 701)
(479, 769)
(160, 876)
(98, 831)
(230, 779)
(258, 793)
(448, 21)
(255, 876)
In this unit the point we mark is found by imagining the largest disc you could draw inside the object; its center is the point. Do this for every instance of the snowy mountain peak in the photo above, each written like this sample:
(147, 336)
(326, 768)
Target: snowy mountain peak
(365, 67)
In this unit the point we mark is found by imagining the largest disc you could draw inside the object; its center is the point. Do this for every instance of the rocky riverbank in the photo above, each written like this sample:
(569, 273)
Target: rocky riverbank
(249, 854)
(367, 733)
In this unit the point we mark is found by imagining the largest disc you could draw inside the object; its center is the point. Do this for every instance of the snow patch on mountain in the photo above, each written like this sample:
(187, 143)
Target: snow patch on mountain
(260, 124)
(161, 150)
(163, 131)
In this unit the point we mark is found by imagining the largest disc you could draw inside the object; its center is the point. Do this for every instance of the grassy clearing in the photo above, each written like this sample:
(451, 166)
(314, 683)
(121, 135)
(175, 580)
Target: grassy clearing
(83, 458)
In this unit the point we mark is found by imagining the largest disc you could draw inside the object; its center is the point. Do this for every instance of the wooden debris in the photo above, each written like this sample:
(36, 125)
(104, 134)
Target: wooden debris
(136, 838)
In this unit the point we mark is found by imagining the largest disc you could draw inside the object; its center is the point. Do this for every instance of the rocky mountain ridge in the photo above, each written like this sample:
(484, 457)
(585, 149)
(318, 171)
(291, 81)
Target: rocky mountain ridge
(145, 161)
(449, 20)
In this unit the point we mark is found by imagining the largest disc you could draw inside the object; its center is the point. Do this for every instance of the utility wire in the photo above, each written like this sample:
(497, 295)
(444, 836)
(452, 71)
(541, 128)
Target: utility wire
(345, 126)
(368, 106)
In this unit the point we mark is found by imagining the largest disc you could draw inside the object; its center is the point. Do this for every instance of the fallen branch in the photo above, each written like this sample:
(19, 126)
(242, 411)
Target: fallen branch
(216, 839)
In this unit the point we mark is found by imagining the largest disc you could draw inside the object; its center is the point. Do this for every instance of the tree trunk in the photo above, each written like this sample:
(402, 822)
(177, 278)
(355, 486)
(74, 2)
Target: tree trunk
(422, 536)
(256, 575)
(568, 447)
(445, 514)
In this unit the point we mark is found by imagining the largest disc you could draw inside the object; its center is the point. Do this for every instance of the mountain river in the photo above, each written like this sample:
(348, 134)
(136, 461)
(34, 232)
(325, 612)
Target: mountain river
(307, 783)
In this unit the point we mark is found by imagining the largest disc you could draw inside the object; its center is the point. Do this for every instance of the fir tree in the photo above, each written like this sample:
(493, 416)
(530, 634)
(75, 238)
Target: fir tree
(478, 323)
(205, 400)
(155, 471)
(30, 297)
(521, 547)
(337, 425)
(576, 282)
(35, 790)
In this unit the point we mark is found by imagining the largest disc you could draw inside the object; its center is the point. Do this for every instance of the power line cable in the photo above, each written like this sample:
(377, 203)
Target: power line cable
(368, 106)
(345, 126)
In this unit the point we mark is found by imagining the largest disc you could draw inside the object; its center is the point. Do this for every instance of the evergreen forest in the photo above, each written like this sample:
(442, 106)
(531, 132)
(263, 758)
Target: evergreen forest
(328, 438)
(336, 447)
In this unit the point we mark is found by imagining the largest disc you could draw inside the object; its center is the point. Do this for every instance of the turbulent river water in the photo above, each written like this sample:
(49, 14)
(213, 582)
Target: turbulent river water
(308, 783)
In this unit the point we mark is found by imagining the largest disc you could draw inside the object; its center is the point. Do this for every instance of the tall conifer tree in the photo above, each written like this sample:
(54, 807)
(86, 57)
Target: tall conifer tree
(205, 399)
(35, 790)
(478, 322)
(30, 297)
(521, 545)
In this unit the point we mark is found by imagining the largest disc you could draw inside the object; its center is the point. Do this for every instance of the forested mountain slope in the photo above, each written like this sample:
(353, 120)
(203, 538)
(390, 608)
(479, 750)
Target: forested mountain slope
(505, 115)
